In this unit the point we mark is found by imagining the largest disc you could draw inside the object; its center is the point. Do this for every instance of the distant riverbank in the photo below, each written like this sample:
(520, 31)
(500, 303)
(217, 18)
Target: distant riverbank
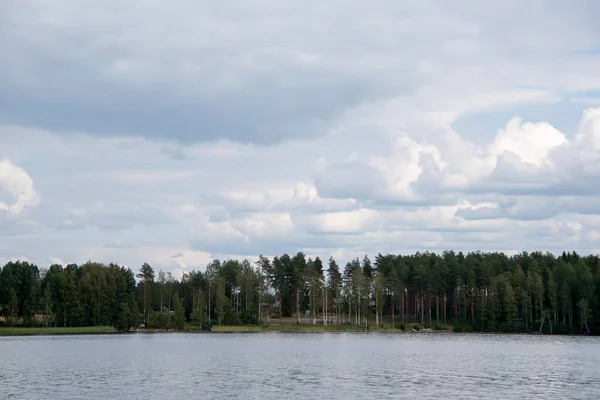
(101, 330)
(18, 331)
(314, 328)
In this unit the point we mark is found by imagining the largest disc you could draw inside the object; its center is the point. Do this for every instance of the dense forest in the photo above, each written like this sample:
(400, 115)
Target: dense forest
(488, 292)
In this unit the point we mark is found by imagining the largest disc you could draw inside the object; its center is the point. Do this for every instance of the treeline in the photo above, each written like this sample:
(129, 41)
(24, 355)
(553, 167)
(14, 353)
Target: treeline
(489, 292)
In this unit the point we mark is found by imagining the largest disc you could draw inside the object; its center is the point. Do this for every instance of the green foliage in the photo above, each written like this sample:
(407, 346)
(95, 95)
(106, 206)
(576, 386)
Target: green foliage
(584, 313)
(179, 315)
(124, 318)
(487, 292)
(160, 320)
(197, 316)
(462, 327)
(55, 330)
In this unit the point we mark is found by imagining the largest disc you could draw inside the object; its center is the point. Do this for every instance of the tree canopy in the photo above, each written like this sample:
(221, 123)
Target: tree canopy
(490, 292)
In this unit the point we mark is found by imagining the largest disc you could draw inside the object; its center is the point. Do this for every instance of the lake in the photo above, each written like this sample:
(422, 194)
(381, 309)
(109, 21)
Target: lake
(299, 366)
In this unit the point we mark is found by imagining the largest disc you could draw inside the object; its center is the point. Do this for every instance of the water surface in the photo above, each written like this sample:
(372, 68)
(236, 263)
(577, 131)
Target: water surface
(299, 366)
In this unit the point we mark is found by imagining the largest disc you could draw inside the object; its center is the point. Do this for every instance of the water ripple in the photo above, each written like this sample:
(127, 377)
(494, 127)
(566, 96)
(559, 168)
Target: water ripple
(299, 366)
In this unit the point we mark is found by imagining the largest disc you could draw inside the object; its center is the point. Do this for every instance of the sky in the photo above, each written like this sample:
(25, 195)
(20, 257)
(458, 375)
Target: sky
(176, 132)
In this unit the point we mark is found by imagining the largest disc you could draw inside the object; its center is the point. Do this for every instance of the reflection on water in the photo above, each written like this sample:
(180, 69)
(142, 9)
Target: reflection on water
(298, 366)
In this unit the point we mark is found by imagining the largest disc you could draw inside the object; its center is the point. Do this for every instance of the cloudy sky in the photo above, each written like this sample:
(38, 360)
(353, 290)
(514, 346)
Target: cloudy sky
(173, 132)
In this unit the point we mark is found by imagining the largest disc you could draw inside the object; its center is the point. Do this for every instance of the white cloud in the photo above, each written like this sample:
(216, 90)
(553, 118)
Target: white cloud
(346, 222)
(19, 185)
(531, 142)
(588, 137)
(192, 259)
(58, 261)
(6, 260)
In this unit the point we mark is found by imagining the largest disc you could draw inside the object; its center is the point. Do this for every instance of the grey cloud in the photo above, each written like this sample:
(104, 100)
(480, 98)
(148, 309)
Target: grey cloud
(249, 72)
(67, 225)
(318, 206)
(219, 214)
(367, 185)
(119, 246)
(5, 197)
(175, 154)
(545, 209)
(481, 213)
(350, 180)
(389, 203)
(536, 207)
(515, 178)
(273, 94)
(260, 118)
(581, 205)
(276, 245)
(10, 226)
(430, 182)
(114, 226)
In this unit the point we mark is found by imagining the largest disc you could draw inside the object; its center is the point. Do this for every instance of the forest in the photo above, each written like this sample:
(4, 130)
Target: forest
(474, 292)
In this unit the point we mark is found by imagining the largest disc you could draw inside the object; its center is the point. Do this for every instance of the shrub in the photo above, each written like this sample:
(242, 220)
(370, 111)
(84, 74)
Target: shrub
(459, 328)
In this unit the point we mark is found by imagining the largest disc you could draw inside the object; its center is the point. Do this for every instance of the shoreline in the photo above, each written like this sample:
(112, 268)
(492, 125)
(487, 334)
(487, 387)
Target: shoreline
(104, 330)
(56, 331)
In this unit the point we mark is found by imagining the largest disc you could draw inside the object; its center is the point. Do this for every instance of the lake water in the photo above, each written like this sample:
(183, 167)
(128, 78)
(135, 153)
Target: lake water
(299, 366)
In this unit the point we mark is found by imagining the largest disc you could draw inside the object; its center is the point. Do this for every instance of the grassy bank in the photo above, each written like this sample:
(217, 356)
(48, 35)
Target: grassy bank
(56, 331)
(8, 331)
(303, 328)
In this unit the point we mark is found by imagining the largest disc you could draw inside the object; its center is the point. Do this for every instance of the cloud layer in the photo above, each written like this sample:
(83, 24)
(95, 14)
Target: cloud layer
(177, 132)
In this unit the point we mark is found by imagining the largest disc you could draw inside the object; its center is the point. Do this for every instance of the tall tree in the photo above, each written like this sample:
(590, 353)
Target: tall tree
(335, 287)
(179, 316)
(298, 279)
(161, 280)
(146, 275)
(378, 292)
